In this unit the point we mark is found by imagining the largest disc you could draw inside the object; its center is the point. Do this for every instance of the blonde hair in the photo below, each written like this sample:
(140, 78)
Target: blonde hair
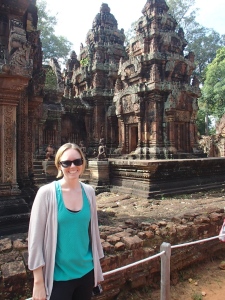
(60, 152)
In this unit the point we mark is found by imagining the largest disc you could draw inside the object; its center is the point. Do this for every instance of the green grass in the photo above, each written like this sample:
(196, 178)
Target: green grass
(197, 296)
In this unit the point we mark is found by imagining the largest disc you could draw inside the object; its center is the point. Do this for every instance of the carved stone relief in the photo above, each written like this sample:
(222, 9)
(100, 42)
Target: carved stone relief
(19, 50)
(9, 134)
(182, 116)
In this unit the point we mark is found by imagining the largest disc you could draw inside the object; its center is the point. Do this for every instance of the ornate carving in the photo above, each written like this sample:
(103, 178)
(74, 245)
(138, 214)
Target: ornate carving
(9, 140)
(19, 50)
(182, 116)
(22, 142)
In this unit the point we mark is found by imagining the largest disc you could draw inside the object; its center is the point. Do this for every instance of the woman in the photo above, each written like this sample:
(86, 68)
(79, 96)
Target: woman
(63, 240)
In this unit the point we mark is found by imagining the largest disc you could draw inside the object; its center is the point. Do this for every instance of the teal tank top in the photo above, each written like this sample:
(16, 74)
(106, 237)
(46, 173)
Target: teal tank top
(73, 257)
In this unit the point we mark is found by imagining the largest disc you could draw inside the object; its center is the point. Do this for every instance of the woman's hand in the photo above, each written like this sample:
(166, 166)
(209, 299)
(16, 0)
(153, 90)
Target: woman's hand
(39, 292)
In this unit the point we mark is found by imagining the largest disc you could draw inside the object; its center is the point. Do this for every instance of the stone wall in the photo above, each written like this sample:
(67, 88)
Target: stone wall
(122, 246)
(169, 176)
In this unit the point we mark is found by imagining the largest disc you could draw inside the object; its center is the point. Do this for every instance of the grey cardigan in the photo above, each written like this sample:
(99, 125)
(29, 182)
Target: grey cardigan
(42, 234)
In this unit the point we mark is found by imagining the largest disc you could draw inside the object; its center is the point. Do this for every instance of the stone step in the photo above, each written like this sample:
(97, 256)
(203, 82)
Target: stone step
(39, 171)
(14, 214)
(39, 175)
(12, 205)
(37, 160)
(40, 181)
(37, 166)
(14, 223)
(40, 157)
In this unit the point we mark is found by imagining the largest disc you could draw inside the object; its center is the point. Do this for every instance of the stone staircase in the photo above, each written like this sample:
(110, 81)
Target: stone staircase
(40, 177)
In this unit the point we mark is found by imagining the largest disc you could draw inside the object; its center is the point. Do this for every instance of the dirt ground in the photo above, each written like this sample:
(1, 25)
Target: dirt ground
(203, 281)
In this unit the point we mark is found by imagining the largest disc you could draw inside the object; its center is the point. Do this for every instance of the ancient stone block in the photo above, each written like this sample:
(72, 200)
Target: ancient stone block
(123, 234)
(119, 246)
(137, 280)
(132, 242)
(107, 247)
(19, 244)
(16, 268)
(113, 239)
(215, 216)
(5, 244)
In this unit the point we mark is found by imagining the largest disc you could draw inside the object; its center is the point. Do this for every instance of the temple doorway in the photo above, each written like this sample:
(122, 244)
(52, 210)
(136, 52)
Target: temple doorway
(49, 132)
(133, 137)
(73, 129)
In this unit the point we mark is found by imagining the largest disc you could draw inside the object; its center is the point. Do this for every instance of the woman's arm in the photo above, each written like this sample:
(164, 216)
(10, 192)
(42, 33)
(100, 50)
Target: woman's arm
(36, 232)
(39, 292)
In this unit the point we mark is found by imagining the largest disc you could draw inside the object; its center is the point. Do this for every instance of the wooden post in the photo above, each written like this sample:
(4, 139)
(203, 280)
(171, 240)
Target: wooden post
(165, 271)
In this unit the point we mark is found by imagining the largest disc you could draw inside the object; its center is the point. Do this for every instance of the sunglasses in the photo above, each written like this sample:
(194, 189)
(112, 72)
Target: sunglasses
(68, 163)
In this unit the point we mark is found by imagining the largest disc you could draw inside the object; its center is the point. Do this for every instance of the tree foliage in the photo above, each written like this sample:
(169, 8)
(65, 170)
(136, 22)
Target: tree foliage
(51, 80)
(204, 42)
(52, 45)
(184, 13)
(213, 91)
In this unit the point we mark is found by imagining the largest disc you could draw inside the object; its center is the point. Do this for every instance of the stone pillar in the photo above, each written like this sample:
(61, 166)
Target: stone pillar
(122, 142)
(22, 143)
(145, 134)
(112, 136)
(187, 138)
(33, 119)
(8, 166)
(126, 138)
(139, 133)
(171, 134)
(99, 172)
(192, 135)
(59, 131)
(40, 133)
(11, 89)
(98, 121)
(88, 117)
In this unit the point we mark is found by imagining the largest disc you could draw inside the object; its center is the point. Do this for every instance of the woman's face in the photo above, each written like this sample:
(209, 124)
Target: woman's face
(73, 171)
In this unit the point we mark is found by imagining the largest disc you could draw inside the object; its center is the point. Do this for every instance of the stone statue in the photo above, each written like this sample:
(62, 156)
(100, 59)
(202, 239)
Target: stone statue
(50, 152)
(102, 150)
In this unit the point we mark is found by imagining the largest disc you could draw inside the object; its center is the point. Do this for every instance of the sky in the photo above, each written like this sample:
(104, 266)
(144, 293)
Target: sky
(75, 17)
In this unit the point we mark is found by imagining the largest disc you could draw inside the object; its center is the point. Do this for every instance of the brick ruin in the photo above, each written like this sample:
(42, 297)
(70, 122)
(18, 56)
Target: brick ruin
(124, 244)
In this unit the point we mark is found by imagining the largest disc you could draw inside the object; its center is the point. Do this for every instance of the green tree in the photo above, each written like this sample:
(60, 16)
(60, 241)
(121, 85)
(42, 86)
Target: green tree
(52, 45)
(204, 42)
(51, 80)
(213, 91)
(184, 12)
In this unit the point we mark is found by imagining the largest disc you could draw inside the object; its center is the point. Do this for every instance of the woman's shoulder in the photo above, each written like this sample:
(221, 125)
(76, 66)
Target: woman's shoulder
(47, 188)
(45, 196)
(87, 187)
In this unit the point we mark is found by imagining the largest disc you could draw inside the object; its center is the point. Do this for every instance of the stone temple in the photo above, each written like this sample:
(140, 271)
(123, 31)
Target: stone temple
(140, 97)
